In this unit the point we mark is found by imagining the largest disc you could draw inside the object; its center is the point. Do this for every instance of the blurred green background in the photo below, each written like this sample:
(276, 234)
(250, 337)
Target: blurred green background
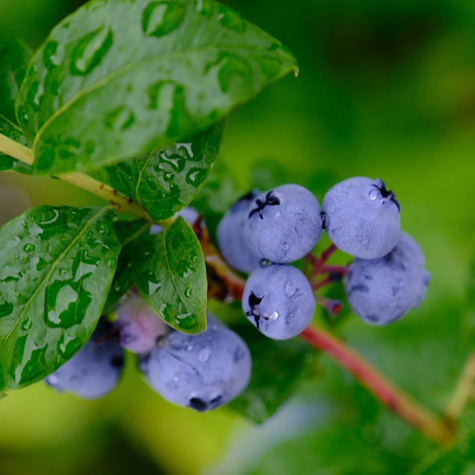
(386, 89)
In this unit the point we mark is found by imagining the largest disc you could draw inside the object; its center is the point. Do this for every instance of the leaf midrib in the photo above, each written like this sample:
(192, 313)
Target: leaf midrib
(11, 124)
(139, 177)
(47, 276)
(167, 261)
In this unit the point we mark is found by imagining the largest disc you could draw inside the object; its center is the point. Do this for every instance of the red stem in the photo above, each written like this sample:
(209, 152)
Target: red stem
(431, 425)
(341, 270)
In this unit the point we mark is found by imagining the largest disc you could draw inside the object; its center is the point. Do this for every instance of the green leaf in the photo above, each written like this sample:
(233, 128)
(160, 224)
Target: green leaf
(56, 267)
(277, 367)
(170, 274)
(14, 57)
(456, 460)
(127, 232)
(118, 78)
(165, 181)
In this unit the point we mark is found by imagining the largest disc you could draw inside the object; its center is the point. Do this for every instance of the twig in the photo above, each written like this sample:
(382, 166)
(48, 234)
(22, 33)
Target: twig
(340, 270)
(432, 426)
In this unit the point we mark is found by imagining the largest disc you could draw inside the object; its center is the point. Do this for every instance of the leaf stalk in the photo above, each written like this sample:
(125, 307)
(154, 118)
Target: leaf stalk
(121, 202)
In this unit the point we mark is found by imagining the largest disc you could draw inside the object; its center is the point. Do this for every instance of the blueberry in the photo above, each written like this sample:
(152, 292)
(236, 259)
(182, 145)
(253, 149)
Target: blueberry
(279, 301)
(362, 217)
(230, 234)
(138, 326)
(199, 371)
(283, 224)
(95, 370)
(381, 291)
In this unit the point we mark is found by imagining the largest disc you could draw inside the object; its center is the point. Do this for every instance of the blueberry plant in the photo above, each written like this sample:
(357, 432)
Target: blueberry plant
(128, 100)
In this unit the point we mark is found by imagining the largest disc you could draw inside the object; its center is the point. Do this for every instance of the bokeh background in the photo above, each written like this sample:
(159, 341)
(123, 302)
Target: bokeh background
(386, 89)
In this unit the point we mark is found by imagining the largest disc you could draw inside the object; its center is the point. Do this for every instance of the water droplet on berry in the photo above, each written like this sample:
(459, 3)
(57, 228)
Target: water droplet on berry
(272, 317)
(204, 355)
(289, 288)
(374, 194)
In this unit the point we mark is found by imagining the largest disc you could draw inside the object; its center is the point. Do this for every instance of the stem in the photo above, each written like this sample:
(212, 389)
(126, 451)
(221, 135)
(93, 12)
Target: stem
(233, 281)
(16, 150)
(428, 423)
(340, 270)
(332, 306)
(322, 283)
(431, 425)
(121, 202)
(463, 391)
(317, 265)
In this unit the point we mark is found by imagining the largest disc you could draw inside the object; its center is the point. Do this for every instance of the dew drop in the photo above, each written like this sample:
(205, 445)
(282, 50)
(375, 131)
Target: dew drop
(233, 71)
(204, 355)
(6, 308)
(29, 247)
(187, 147)
(374, 194)
(27, 325)
(120, 118)
(205, 7)
(49, 217)
(289, 289)
(111, 262)
(154, 287)
(272, 317)
(51, 58)
(90, 50)
(161, 18)
(231, 19)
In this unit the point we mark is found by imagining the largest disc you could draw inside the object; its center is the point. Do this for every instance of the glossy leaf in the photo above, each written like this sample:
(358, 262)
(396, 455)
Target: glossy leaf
(118, 78)
(56, 267)
(170, 274)
(277, 367)
(127, 232)
(460, 458)
(14, 57)
(166, 180)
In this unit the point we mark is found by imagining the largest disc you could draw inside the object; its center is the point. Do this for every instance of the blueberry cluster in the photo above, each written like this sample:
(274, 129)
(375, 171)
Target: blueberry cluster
(263, 232)
(198, 371)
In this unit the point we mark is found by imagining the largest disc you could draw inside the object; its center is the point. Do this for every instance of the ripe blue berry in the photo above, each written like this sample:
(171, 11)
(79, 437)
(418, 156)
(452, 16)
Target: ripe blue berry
(230, 234)
(279, 301)
(283, 224)
(362, 217)
(199, 371)
(95, 370)
(138, 326)
(381, 291)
